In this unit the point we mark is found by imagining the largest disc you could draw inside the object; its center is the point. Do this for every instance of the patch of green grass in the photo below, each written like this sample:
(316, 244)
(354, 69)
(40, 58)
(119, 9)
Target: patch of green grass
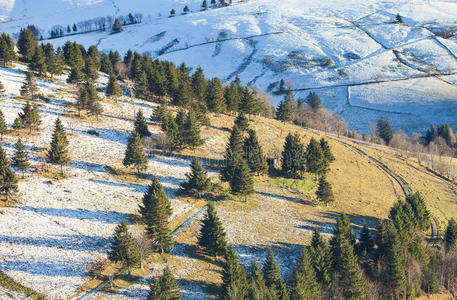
(300, 185)
(12, 285)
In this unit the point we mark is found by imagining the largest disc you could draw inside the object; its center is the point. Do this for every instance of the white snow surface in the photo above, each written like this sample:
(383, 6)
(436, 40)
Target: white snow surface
(264, 41)
(58, 228)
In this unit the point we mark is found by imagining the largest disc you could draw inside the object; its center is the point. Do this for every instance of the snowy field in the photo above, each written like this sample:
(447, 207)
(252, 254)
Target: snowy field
(59, 227)
(320, 45)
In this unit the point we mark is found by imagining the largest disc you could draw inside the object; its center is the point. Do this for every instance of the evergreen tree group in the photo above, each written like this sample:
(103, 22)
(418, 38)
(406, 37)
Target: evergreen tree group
(29, 118)
(164, 288)
(7, 52)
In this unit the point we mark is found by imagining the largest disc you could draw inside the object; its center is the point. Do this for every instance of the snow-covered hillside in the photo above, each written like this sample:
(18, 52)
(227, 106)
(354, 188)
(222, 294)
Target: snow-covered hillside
(362, 63)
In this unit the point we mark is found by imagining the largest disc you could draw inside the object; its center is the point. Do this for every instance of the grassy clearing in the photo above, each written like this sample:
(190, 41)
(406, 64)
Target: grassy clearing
(12, 285)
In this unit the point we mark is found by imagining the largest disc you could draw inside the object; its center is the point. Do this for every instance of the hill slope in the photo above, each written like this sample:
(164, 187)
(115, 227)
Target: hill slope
(361, 63)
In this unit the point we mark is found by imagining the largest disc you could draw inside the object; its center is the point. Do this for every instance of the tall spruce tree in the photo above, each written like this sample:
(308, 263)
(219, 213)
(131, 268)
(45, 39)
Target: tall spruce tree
(212, 235)
(171, 129)
(38, 63)
(273, 279)
(254, 154)
(215, 96)
(324, 191)
(314, 158)
(366, 242)
(283, 112)
(450, 235)
(257, 287)
(328, 156)
(191, 131)
(232, 98)
(320, 258)
(242, 184)
(313, 101)
(117, 27)
(29, 88)
(233, 153)
(141, 126)
(198, 183)
(242, 122)
(26, 44)
(134, 154)
(123, 248)
(384, 130)
(293, 156)
(305, 285)
(53, 62)
(350, 276)
(58, 154)
(76, 76)
(30, 117)
(113, 89)
(155, 212)
(341, 233)
(198, 84)
(421, 214)
(234, 278)
(7, 52)
(3, 127)
(8, 180)
(21, 157)
(165, 288)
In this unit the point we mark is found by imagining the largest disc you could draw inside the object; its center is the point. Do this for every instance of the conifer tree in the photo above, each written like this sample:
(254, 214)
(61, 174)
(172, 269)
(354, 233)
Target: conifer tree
(232, 98)
(242, 184)
(320, 258)
(53, 62)
(2, 88)
(21, 157)
(88, 99)
(272, 275)
(305, 286)
(3, 127)
(342, 233)
(366, 243)
(165, 288)
(91, 68)
(186, 9)
(171, 129)
(155, 212)
(384, 130)
(313, 101)
(38, 63)
(314, 158)
(29, 117)
(293, 156)
(8, 180)
(76, 76)
(141, 85)
(402, 217)
(283, 112)
(29, 87)
(58, 154)
(181, 118)
(7, 52)
(141, 126)
(198, 84)
(215, 96)
(204, 5)
(257, 287)
(324, 191)
(249, 103)
(106, 66)
(191, 133)
(117, 27)
(234, 278)
(328, 156)
(26, 44)
(450, 235)
(212, 235)
(421, 214)
(134, 154)
(350, 276)
(242, 122)
(123, 247)
(197, 183)
(113, 89)
(254, 154)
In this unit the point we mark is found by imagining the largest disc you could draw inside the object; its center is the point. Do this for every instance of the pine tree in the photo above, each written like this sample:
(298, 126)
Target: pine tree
(29, 117)
(212, 235)
(324, 191)
(29, 88)
(313, 101)
(76, 76)
(402, 217)
(141, 126)
(181, 118)
(89, 99)
(197, 183)
(384, 130)
(254, 154)
(171, 129)
(350, 276)
(320, 257)
(155, 212)
(186, 9)
(58, 154)
(232, 98)
(283, 112)
(314, 158)
(21, 157)
(38, 63)
(242, 184)
(8, 180)
(257, 287)
(3, 127)
(198, 84)
(366, 243)
(179, 91)
(272, 275)
(113, 89)
(204, 5)
(191, 133)
(53, 62)
(450, 236)
(242, 122)
(421, 214)
(106, 66)
(117, 27)
(91, 68)
(342, 233)
(234, 278)
(165, 288)
(249, 103)
(26, 44)
(123, 247)
(7, 52)
(215, 96)
(328, 156)
(293, 156)
(305, 286)
(134, 154)
(172, 12)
